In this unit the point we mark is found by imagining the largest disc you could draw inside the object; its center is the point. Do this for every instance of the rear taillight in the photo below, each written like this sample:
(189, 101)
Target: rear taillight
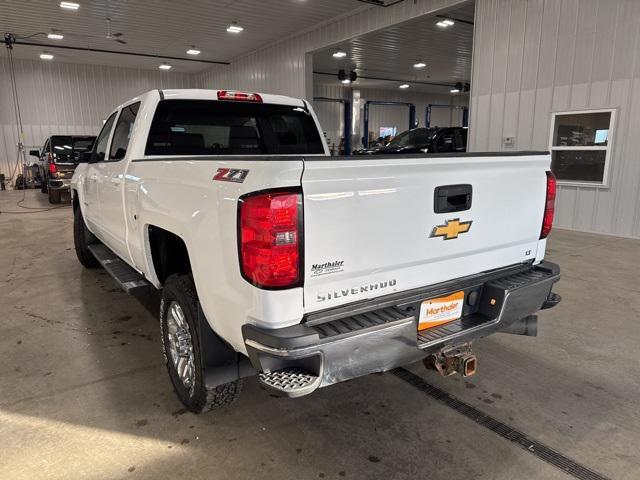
(239, 96)
(549, 206)
(52, 167)
(269, 230)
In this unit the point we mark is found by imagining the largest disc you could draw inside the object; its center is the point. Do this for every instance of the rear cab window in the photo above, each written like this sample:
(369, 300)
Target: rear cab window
(67, 148)
(212, 127)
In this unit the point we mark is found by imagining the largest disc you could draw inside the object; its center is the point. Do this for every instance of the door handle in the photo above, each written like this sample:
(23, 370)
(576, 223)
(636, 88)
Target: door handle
(116, 180)
(452, 198)
(93, 178)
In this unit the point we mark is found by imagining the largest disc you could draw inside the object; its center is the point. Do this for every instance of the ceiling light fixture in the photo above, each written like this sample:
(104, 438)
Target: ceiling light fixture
(445, 23)
(346, 81)
(53, 35)
(454, 90)
(339, 54)
(70, 5)
(234, 28)
(419, 64)
(164, 66)
(460, 87)
(404, 86)
(46, 56)
(193, 51)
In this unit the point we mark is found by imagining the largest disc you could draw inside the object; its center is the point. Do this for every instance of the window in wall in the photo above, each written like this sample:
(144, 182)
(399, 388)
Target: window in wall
(580, 145)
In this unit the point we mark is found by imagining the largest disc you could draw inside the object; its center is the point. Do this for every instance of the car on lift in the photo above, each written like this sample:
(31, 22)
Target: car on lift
(58, 160)
(423, 140)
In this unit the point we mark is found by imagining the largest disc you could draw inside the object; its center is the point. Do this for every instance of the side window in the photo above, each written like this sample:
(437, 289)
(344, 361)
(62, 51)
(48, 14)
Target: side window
(122, 133)
(461, 140)
(103, 138)
(45, 149)
(446, 141)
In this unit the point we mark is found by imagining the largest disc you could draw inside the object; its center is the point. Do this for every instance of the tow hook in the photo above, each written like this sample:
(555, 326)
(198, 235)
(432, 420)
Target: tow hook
(459, 359)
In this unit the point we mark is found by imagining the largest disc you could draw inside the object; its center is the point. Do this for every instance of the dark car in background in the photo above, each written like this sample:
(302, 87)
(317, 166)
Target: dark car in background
(58, 160)
(424, 140)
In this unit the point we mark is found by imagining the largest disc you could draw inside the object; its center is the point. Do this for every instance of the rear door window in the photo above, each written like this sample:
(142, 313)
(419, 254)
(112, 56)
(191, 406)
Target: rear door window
(122, 133)
(209, 127)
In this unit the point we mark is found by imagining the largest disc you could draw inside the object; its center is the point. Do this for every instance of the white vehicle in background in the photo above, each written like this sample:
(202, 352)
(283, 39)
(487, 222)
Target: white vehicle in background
(277, 259)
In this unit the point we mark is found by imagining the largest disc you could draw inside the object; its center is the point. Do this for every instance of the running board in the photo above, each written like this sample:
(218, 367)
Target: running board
(129, 280)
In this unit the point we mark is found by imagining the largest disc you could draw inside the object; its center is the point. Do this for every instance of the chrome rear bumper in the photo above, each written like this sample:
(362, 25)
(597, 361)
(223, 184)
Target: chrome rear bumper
(348, 342)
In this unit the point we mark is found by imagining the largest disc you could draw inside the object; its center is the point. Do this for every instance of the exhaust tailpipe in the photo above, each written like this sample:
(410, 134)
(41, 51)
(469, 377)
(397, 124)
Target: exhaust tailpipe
(459, 359)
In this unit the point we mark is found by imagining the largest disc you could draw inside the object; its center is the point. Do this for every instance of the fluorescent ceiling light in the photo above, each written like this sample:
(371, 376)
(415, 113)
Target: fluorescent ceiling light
(193, 51)
(164, 66)
(70, 5)
(445, 23)
(454, 90)
(339, 54)
(419, 64)
(55, 36)
(234, 28)
(404, 85)
(46, 56)
(346, 81)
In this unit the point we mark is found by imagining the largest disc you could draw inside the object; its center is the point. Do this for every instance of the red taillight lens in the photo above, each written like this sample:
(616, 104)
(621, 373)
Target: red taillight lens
(52, 167)
(269, 243)
(549, 207)
(239, 96)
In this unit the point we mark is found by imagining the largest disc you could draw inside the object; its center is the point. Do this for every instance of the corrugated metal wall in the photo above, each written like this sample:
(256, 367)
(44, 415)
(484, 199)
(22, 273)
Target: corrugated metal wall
(534, 57)
(330, 114)
(281, 67)
(68, 98)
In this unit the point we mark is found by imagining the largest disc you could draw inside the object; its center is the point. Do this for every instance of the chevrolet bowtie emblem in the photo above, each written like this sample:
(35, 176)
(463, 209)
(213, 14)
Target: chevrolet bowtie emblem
(451, 229)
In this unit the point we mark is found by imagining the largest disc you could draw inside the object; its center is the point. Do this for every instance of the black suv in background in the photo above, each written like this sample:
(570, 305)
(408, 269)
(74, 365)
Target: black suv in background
(58, 160)
(424, 140)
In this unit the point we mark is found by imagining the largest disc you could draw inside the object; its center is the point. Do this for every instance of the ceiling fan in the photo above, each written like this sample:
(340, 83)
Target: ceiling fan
(113, 36)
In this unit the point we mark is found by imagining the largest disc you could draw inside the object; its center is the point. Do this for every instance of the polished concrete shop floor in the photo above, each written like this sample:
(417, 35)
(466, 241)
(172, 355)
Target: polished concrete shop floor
(84, 393)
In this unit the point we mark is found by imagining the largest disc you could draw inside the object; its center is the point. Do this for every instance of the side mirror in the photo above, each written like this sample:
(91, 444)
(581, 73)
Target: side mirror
(85, 157)
(34, 153)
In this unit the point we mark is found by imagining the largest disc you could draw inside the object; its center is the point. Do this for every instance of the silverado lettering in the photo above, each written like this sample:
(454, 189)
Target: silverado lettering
(355, 290)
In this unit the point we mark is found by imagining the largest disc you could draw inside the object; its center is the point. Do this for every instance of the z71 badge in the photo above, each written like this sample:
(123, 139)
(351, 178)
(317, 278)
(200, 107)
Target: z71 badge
(231, 175)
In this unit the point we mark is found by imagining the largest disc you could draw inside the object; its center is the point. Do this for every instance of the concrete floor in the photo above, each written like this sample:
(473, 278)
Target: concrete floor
(84, 394)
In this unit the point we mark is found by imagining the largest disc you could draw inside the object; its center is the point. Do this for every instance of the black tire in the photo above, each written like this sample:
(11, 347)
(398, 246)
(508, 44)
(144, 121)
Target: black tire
(180, 288)
(54, 196)
(82, 238)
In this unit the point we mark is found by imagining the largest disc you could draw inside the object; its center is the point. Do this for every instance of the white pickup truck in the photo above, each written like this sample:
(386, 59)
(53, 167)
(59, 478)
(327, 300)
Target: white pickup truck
(277, 259)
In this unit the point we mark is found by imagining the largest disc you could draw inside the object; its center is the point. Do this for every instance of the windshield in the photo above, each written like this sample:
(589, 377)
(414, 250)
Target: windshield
(66, 149)
(209, 127)
(418, 136)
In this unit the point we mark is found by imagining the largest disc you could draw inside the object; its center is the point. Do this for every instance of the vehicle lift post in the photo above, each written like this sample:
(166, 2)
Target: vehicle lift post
(412, 116)
(465, 113)
(346, 105)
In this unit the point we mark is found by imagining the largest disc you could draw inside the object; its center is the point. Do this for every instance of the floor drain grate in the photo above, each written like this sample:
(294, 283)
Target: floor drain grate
(529, 444)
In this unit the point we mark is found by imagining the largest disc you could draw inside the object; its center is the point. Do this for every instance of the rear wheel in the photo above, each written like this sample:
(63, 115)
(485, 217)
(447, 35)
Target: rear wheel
(54, 196)
(82, 238)
(181, 348)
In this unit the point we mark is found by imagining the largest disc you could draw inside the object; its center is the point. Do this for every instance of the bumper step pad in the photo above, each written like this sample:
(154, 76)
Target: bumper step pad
(128, 279)
(291, 382)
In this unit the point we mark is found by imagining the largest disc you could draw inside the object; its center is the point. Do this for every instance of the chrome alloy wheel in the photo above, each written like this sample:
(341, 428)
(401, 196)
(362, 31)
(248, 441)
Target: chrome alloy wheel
(180, 345)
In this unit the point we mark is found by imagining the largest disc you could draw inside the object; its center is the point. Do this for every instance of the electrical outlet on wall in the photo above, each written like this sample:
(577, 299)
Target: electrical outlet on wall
(508, 141)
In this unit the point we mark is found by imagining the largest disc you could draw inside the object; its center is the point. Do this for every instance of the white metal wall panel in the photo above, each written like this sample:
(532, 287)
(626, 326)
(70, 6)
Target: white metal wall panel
(280, 67)
(533, 57)
(68, 98)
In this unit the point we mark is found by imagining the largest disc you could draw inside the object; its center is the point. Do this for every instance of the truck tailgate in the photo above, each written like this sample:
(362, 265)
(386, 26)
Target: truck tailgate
(371, 226)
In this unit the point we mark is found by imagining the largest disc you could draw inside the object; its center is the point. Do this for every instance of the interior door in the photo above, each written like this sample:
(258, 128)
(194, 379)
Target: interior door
(111, 183)
(91, 205)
